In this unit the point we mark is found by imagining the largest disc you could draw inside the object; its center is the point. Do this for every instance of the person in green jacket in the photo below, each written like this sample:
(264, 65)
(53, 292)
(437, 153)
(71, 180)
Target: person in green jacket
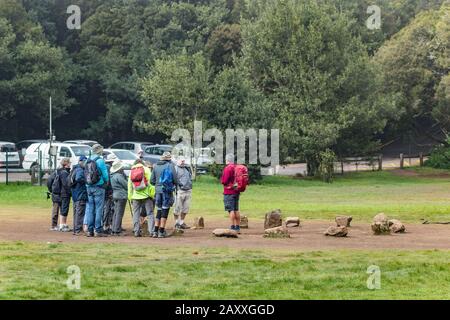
(141, 193)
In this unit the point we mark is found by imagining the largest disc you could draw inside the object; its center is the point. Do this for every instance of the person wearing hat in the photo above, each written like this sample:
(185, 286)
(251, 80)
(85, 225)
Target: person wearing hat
(184, 193)
(141, 195)
(79, 195)
(59, 187)
(119, 186)
(96, 193)
(164, 178)
(108, 209)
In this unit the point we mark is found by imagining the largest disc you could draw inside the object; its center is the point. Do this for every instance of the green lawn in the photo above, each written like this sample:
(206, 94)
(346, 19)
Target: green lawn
(122, 271)
(39, 271)
(361, 195)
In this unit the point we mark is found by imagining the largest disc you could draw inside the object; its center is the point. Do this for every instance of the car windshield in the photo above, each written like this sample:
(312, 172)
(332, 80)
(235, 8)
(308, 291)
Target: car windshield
(8, 148)
(81, 151)
(125, 155)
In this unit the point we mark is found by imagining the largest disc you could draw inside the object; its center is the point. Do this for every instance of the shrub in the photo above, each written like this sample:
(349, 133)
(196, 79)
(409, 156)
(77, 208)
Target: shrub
(439, 158)
(326, 165)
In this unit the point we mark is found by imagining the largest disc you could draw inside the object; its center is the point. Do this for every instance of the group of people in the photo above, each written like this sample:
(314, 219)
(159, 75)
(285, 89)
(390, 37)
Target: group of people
(100, 191)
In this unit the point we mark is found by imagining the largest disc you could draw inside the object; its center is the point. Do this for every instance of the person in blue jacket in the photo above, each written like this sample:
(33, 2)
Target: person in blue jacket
(96, 194)
(79, 195)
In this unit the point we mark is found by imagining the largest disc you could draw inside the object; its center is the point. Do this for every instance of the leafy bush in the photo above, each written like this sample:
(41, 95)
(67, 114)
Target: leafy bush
(326, 165)
(254, 172)
(439, 158)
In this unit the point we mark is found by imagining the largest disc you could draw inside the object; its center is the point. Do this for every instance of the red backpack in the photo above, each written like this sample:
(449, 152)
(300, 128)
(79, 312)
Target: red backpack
(240, 177)
(138, 178)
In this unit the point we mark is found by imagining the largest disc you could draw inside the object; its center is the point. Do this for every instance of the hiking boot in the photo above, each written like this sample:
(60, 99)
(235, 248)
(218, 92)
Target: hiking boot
(237, 229)
(65, 228)
(184, 226)
(117, 234)
(54, 228)
(162, 234)
(137, 235)
(89, 234)
(154, 234)
(100, 234)
(77, 233)
(177, 226)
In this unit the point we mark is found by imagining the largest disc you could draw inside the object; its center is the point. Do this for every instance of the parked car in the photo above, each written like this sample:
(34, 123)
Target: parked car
(203, 158)
(84, 142)
(61, 150)
(126, 156)
(134, 147)
(23, 145)
(9, 149)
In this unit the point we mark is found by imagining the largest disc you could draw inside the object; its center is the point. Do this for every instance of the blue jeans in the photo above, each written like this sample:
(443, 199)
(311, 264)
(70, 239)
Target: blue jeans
(94, 208)
(164, 200)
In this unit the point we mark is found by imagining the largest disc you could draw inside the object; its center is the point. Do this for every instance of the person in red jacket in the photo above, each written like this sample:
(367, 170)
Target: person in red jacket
(230, 194)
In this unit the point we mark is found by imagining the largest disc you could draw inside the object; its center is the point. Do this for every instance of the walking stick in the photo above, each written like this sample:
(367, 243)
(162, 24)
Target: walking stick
(131, 209)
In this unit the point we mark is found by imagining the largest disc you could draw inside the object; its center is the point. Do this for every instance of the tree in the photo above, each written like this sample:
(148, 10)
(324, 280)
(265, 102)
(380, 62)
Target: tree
(223, 44)
(415, 64)
(318, 76)
(176, 92)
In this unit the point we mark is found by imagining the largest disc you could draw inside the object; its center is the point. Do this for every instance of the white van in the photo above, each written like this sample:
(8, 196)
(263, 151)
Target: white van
(61, 150)
(13, 155)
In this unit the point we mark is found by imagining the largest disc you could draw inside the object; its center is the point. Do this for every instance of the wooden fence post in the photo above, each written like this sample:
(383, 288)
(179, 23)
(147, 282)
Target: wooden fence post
(421, 159)
(402, 161)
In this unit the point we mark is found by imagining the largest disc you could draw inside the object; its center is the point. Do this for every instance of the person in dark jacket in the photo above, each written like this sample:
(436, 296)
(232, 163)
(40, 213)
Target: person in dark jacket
(108, 210)
(119, 184)
(79, 195)
(58, 186)
(164, 198)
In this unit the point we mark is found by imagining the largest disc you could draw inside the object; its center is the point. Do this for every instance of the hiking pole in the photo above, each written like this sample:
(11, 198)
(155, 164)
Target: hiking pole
(131, 209)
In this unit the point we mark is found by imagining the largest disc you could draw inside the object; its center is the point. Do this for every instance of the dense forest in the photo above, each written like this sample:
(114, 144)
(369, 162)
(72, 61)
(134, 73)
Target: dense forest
(136, 69)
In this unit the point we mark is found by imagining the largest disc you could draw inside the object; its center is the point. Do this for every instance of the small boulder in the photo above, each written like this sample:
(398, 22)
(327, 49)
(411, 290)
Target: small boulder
(273, 219)
(380, 224)
(225, 233)
(277, 232)
(396, 226)
(244, 222)
(292, 222)
(339, 231)
(343, 221)
(199, 223)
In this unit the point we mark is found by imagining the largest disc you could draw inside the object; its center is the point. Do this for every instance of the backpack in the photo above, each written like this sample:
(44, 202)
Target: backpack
(166, 179)
(240, 178)
(138, 178)
(91, 172)
(56, 184)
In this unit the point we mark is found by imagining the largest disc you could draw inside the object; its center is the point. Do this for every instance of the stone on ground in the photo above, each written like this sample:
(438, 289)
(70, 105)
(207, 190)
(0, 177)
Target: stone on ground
(199, 223)
(244, 222)
(339, 231)
(225, 233)
(277, 232)
(343, 221)
(396, 226)
(273, 219)
(380, 224)
(292, 222)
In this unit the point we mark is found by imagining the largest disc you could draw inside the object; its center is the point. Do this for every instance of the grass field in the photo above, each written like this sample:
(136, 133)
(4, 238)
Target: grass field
(362, 195)
(36, 270)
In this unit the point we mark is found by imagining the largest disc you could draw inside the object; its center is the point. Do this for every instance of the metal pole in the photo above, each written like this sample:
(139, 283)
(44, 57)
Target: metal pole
(40, 168)
(7, 167)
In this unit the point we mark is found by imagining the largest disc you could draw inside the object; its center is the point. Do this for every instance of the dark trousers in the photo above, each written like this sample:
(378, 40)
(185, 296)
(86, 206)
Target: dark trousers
(60, 207)
(108, 212)
(119, 210)
(79, 210)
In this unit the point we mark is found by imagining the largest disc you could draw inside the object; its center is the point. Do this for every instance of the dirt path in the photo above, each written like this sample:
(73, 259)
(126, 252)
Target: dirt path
(308, 237)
